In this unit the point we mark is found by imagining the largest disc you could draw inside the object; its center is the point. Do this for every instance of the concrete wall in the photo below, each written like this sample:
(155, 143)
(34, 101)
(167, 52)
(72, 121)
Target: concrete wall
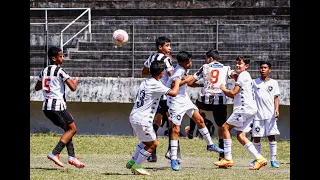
(103, 105)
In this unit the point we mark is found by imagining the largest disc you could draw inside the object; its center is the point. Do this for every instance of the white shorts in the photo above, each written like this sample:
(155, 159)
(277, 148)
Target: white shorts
(144, 133)
(265, 127)
(178, 108)
(241, 119)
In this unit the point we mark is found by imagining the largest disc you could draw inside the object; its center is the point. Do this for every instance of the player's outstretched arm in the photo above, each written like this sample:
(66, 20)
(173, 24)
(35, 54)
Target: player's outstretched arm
(192, 82)
(174, 91)
(228, 92)
(72, 84)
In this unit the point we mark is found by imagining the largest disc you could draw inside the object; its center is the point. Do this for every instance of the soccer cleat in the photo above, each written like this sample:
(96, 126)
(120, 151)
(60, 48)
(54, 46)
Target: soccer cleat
(75, 162)
(274, 164)
(152, 158)
(224, 163)
(139, 170)
(130, 164)
(168, 156)
(175, 165)
(190, 134)
(252, 163)
(259, 163)
(55, 159)
(213, 147)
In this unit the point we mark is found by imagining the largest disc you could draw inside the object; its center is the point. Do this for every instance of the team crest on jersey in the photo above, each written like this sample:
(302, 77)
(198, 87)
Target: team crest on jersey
(178, 117)
(257, 129)
(270, 88)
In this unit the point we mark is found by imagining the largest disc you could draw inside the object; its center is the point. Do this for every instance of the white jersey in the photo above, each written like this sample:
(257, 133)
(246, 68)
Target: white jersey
(245, 96)
(214, 74)
(53, 80)
(178, 72)
(265, 92)
(147, 101)
(180, 104)
(165, 59)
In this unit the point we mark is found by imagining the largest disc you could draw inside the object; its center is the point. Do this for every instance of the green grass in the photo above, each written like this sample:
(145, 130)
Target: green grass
(106, 156)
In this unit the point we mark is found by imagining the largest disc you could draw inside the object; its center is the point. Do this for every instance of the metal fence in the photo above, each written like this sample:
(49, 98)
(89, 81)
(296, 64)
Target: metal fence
(97, 56)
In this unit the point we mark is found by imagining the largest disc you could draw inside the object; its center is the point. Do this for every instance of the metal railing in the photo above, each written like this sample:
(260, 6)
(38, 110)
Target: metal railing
(62, 43)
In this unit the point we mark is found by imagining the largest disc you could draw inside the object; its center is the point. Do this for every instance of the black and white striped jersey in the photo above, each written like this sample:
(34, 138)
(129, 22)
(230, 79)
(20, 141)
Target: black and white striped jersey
(53, 80)
(165, 59)
(214, 74)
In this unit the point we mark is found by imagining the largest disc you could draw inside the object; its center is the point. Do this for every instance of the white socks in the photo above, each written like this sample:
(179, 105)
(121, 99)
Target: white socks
(206, 135)
(174, 149)
(137, 151)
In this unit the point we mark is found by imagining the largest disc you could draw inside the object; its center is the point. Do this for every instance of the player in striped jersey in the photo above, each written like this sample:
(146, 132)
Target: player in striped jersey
(244, 109)
(163, 53)
(141, 117)
(212, 98)
(181, 105)
(51, 81)
(265, 121)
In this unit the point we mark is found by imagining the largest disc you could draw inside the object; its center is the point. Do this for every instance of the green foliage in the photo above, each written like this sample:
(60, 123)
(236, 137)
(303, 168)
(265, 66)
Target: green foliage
(106, 156)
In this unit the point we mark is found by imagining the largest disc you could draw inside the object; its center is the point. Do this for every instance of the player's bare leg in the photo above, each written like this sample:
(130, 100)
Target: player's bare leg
(71, 155)
(64, 139)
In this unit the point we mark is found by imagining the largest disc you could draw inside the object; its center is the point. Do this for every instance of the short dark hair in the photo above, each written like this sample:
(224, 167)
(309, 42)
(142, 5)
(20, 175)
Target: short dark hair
(156, 67)
(266, 62)
(53, 52)
(183, 56)
(245, 59)
(214, 54)
(161, 41)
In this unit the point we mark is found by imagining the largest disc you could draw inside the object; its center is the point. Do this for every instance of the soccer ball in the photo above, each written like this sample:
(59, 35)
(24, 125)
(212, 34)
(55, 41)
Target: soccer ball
(120, 37)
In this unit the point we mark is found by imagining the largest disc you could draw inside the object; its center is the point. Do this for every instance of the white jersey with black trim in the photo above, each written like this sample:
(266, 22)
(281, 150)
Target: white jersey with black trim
(165, 59)
(178, 72)
(214, 74)
(265, 92)
(53, 80)
(147, 101)
(245, 96)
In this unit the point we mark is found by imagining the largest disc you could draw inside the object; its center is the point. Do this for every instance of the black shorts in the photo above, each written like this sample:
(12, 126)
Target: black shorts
(59, 118)
(163, 109)
(219, 111)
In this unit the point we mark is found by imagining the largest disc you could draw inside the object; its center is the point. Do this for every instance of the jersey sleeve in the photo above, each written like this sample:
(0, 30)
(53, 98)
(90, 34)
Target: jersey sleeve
(161, 88)
(168, 63)
(276, 89)
(199, 74)
(242, 79)
(147, 63)
(63, 74)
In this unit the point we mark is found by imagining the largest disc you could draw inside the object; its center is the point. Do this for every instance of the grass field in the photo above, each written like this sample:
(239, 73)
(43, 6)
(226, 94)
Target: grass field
(106, 157)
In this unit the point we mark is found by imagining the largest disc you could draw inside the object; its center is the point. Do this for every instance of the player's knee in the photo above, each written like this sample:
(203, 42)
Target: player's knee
(176, 130)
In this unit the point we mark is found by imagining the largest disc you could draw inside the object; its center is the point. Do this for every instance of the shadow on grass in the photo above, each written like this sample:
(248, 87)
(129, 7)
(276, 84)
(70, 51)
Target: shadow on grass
(157, 168)
(111, 174)
(49, 169)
